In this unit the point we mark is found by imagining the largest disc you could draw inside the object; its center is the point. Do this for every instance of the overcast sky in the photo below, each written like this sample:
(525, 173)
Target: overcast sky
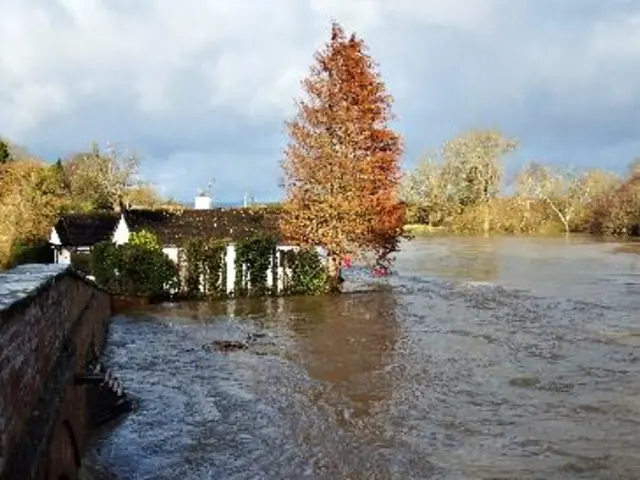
(201, 88)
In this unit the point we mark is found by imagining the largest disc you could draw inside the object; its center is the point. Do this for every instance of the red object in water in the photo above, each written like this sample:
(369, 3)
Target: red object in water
(380, 272)
(347, 261)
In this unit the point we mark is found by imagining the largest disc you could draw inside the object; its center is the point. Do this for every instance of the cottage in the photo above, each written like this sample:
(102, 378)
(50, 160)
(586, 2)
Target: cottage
(77, 233)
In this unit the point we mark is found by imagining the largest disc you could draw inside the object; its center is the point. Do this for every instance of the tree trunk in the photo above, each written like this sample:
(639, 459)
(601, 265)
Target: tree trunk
(524, 221)
(486, 224)
(335, 278)
(563, 218)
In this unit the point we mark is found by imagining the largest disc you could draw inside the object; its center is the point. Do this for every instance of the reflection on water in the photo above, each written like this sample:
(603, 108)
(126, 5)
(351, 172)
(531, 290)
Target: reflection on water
(483, 358)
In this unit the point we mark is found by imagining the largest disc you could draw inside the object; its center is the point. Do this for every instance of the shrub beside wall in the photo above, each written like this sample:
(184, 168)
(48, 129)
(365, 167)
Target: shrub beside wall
(22, 253)
(309, 275)
(255, 257)
(81, 262)
(136, 268)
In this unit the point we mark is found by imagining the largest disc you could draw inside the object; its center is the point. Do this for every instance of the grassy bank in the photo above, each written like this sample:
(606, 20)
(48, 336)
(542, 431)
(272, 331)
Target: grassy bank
(418, 229)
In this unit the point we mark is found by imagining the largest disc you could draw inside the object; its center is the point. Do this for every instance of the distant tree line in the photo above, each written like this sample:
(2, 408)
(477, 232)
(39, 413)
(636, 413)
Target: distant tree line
(461, 188)
(33, 192)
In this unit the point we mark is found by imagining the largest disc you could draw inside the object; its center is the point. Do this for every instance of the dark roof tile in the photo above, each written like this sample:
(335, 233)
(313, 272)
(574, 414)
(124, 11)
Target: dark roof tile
(86, 229)
(175, 227)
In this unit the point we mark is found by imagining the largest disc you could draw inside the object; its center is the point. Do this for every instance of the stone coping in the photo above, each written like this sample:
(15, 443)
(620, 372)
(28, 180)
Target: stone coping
(20, 285)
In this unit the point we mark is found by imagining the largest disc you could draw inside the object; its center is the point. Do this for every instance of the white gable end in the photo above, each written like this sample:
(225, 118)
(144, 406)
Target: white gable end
(121, 233)
(54, 238)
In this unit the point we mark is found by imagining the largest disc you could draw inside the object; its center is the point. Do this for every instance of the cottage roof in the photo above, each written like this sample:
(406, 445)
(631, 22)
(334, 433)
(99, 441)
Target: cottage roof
(174, 227)
(85, 229)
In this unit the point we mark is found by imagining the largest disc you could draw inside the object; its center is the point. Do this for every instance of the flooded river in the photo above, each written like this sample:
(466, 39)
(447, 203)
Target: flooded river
(481, 358)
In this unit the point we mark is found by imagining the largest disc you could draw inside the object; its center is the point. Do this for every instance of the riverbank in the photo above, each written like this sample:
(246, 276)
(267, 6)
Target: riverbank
(421, 230)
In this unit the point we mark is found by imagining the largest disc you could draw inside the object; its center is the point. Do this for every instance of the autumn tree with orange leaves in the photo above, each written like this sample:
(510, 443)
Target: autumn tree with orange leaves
(341, 166)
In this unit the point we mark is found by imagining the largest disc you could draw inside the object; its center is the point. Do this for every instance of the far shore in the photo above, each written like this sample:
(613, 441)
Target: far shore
(630, 244)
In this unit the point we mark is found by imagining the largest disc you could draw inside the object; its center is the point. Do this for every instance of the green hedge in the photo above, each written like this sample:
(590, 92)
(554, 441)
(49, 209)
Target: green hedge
(136, 268)
(204, 268)
(81, 262)
(309, 275)
(255, 254)
(22, 253)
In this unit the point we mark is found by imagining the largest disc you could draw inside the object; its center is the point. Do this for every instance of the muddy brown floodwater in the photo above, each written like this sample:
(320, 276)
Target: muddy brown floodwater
(481, 358)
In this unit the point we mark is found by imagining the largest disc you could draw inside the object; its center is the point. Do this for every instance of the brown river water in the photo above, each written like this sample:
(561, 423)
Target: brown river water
(479, 359)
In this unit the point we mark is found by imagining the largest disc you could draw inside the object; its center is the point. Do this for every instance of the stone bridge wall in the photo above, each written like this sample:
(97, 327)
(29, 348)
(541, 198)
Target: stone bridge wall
(52, 323)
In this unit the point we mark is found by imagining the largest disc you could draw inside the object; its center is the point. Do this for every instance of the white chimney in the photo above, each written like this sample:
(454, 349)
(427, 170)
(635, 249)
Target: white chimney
(202, 202)
(203, 199)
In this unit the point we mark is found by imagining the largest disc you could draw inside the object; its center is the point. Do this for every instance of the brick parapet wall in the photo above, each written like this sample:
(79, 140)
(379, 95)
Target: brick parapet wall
(48, 333)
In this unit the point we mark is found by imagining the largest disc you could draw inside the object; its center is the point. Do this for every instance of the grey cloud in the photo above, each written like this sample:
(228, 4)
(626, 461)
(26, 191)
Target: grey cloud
(561, 76)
